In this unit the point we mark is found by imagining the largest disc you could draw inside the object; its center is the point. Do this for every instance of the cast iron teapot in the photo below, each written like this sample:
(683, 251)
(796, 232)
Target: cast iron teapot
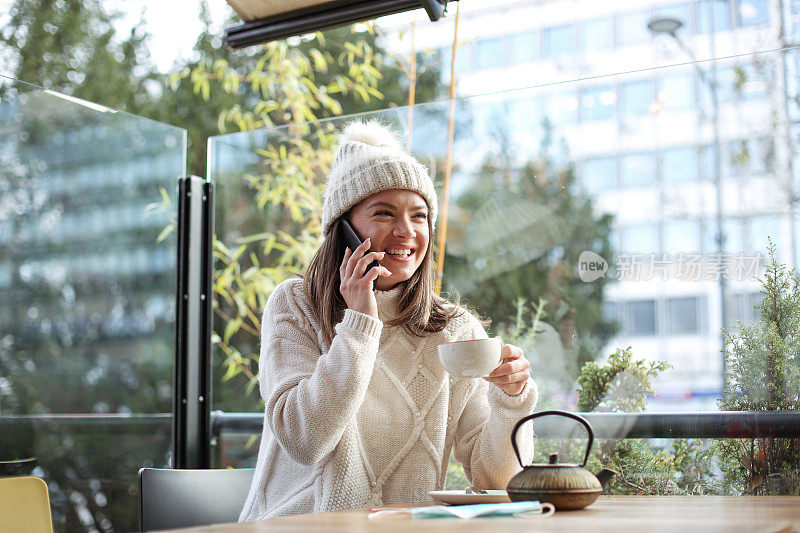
(566, 486)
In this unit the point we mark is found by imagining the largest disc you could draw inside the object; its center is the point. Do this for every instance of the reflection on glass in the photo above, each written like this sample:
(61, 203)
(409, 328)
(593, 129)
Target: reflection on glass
(559, 41)
(678, 164)
(734, 235)
(464, 57)
(637, 170)
(676, 92)
(681, 236)
(561, 109)
(641, 317)
(526, 114)
(743, 307)
(636, 98)
(683, 315)
(599, 174)
(87, 325)
(598, 102)
(489, 53)
(542, 175)
(753, 12)
(762, 227)
(523, 47)
(681, 11)
(640, 238)
(714, 14)
(597, 34)
(633, 28)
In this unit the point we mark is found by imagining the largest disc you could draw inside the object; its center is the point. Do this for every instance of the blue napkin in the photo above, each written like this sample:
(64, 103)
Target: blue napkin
(478, 510)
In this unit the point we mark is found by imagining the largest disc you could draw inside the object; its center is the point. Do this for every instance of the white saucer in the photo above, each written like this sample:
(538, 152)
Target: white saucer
(460, 497)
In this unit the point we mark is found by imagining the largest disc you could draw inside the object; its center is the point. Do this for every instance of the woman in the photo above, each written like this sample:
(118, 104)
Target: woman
(359, 411)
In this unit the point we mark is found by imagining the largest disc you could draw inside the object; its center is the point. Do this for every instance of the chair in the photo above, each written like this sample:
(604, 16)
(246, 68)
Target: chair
(25, 505)
(175, 498)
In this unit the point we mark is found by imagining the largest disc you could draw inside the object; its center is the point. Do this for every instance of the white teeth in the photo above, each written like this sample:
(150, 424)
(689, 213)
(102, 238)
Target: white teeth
(399, 251)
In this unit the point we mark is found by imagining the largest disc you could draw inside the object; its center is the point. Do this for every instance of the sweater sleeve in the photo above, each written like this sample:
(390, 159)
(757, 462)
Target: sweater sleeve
(311, 396)
(483, 435)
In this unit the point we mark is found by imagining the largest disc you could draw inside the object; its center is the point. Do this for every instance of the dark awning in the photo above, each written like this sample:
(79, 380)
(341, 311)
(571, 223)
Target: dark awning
(268, 20)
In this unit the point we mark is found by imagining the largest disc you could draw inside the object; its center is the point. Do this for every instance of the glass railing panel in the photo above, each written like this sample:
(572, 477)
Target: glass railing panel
(87, 277)
(622, 218)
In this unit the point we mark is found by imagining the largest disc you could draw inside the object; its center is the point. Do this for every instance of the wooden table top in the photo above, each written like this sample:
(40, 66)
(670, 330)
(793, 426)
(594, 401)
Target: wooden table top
(609, 513)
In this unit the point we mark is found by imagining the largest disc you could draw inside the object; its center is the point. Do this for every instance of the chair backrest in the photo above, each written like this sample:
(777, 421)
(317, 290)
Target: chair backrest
(25, 505)
(174, 498)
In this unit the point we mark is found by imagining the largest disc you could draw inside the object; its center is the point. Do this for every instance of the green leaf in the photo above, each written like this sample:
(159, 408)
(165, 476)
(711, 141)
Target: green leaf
(164, 233)
(231, 328)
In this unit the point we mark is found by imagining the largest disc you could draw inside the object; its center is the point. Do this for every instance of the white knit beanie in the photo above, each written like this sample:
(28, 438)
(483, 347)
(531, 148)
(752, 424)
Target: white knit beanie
(369, 160)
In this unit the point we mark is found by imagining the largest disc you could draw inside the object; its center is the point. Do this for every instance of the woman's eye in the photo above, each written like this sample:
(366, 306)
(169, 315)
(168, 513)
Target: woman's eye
(421, 216)
(383, 213)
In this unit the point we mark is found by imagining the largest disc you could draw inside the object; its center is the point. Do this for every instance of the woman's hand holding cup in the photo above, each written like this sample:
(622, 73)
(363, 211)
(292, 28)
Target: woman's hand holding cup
(513, 371)
(355, 285)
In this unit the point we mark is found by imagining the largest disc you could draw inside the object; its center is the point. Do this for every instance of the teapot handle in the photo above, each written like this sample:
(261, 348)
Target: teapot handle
(559, 413)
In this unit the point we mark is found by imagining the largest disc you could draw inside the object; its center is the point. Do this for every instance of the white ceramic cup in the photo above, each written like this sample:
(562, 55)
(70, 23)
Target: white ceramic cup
(470, 359)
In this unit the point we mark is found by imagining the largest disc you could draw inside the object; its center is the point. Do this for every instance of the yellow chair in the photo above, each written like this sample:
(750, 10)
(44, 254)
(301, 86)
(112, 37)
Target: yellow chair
(24, 505)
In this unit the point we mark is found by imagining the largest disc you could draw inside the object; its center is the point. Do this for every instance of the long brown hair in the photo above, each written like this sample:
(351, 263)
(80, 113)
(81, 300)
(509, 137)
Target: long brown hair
(421, 310)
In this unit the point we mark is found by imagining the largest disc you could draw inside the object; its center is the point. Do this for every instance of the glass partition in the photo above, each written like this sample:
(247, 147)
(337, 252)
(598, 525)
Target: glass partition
(622, 218)
(87, 280)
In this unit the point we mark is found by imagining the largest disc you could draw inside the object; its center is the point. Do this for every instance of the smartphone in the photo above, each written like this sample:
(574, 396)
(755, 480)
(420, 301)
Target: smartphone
(353, 241)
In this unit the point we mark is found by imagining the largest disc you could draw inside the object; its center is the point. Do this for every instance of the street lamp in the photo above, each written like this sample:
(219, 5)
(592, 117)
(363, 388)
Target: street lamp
(670, 26)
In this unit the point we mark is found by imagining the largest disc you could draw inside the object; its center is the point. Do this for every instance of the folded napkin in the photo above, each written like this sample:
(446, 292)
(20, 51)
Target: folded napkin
(531, 509)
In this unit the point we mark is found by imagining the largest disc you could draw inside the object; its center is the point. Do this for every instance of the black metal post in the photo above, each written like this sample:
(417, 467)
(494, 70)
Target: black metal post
(191, 423)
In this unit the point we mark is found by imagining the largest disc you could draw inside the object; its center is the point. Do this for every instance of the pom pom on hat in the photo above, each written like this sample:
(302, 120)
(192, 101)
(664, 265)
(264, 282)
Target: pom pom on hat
(373, 133)
(370, 159)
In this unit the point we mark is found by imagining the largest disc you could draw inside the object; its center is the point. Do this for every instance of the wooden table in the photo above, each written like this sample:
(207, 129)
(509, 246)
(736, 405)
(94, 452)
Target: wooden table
(610, 513)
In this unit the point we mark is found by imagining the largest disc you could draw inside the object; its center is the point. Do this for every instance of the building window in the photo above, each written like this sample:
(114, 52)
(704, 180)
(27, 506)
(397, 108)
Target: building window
(633, 28)
(678, 164)
(681, 236)
(707, 164)
(751, 82)
(752, 12)
(762, 227)
(636, 98)
(734, 235)
(599, 174)
(489, 53)
(727, 80)
(524, 47)
(464, 55)
(713, 13)
(559, 41)
(640, 239)
(683, 315)
(609, 310)
(640, 318)
(597, 103)
(637, 170)
(676, 92)
(750, 156)
(597, 34)
(743, 308)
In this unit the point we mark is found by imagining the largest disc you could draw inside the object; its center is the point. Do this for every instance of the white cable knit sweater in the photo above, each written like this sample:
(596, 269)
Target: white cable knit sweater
(372, 418)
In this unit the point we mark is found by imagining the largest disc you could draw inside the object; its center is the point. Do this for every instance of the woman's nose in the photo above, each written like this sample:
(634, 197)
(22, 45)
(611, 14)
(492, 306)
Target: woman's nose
(404, 228)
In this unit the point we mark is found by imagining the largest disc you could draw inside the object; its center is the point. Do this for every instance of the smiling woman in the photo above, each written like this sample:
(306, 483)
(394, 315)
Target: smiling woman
(351, 351)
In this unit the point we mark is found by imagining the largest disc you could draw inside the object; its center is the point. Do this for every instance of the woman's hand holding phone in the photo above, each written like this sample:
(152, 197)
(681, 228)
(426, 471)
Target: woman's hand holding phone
(357, 282)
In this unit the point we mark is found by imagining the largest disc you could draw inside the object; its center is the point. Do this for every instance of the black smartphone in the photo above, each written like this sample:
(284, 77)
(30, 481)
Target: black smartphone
(353, 241)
